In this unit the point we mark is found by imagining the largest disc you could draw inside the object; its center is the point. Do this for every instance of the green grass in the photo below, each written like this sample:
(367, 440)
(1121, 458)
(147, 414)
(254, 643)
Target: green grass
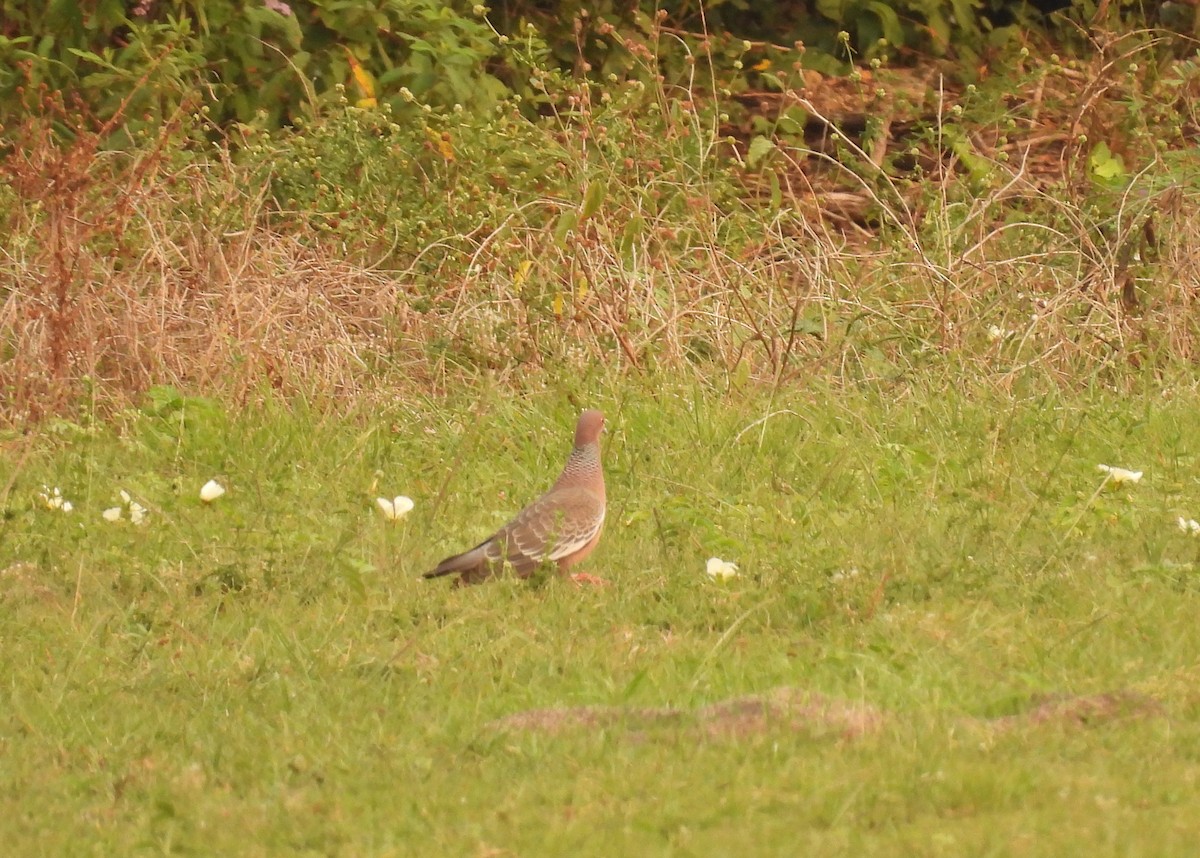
(269, 675)
(880, 384)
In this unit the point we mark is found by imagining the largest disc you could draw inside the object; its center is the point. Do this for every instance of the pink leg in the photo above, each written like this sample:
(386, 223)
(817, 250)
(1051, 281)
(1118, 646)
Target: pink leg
(584, 578)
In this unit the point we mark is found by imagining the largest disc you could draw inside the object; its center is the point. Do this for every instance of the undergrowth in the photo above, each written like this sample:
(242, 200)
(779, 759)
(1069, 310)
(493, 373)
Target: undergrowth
(631, 228)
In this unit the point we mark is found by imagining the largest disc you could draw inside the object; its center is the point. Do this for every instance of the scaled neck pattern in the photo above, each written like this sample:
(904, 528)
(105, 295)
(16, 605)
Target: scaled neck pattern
(583, 467)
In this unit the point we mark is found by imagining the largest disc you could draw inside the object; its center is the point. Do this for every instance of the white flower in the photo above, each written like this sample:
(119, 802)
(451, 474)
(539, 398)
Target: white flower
(396, 508)
(211, 490)
(53, 499)
(720, 570)
(1188, 525)
(137, 513)
(1120, 475)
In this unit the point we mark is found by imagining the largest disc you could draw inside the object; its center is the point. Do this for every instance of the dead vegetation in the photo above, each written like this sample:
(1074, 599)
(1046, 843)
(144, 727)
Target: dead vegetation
(797, 710)
(997, 250)
(1072, 711)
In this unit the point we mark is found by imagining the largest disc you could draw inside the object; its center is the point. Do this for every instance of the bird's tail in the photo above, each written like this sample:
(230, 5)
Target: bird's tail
(468, 561)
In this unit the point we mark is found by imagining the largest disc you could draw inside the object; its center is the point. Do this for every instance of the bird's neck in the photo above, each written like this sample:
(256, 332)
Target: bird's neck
(583, 465)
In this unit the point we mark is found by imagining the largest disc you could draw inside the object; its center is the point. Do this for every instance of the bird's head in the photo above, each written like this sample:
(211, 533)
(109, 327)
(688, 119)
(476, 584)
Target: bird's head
(587, 431)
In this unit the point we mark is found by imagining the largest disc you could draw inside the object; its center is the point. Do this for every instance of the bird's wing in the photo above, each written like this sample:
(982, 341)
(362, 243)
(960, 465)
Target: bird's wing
(554, 526)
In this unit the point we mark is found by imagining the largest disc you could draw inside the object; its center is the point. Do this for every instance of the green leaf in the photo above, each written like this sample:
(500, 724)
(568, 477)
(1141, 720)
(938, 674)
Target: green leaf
(978, 166)
(776, 190)
(773, 81)
(810, 324)
(563, 227)
(354, 575)
(65, 16)
(889, 21)
(791, 122)
(90, 57)
(966, 15)
(834, 10)
(164, 399)
(1104, 164)
(940, 28)
(630, 235)
(593, 198)
(759, 147)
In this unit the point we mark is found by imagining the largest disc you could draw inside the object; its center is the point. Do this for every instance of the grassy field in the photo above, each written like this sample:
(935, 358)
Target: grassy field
(878, 369)
(990, 647)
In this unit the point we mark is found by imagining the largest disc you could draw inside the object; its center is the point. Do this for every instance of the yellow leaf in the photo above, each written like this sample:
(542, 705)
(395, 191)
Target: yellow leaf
(558, 304)
(362, 79)
(443, 142)
(581, 288)
(522, 274)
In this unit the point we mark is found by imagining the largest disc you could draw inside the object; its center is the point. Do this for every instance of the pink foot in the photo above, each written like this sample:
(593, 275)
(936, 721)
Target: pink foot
(584, 578)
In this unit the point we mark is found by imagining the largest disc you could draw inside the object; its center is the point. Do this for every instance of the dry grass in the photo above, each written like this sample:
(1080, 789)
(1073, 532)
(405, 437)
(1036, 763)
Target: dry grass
(230, 313)
(123, 271)
(791, 709)
(215, 313)
(811, 713)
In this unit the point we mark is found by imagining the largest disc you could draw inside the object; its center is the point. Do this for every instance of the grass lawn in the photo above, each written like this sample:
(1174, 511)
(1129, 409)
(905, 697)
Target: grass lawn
(991, 647)
(912, 343)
